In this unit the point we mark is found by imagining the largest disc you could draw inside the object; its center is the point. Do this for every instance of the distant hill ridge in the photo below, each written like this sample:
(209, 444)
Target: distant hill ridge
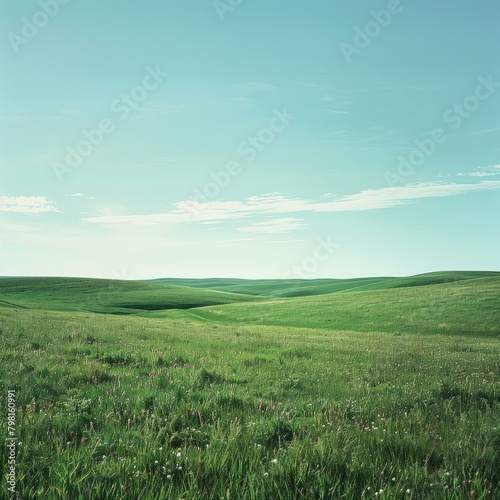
(445, 302)
(128, 297)
(298, 288)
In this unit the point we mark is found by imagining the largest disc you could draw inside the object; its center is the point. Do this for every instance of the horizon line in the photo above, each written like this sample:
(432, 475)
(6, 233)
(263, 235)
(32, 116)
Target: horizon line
(252, 279)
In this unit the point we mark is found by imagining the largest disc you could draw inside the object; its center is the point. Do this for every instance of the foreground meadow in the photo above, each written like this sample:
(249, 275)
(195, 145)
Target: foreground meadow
(195, 405)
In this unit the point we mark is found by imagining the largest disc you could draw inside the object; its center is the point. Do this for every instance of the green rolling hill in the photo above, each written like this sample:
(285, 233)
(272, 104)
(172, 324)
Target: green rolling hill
(107, 296)
(458, 302)
(466, 307)
(298, 288)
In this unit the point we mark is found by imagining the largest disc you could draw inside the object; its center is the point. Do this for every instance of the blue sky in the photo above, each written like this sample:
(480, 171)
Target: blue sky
(249, 139)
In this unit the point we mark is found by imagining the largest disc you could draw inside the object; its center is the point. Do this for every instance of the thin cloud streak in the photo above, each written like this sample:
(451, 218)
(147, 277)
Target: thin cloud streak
(274, 226)
(493, 170)
(275, 203)
(28, 205)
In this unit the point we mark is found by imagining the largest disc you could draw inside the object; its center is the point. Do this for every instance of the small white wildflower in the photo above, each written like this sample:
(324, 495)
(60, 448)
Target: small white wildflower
(274, 460)
(169, 476)
(179, 454)
(156, 461)
(408, 491)
(266, 474)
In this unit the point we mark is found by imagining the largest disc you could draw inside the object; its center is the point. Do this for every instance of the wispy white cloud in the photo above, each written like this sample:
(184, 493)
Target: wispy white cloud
(26, 204)
(490, 171)
(274, 226)
(373, 199)
(76, 195)
(485, 131)
(275, 203)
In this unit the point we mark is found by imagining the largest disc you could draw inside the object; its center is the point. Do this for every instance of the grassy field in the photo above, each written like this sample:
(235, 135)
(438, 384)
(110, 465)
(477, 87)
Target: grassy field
(227, 390)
